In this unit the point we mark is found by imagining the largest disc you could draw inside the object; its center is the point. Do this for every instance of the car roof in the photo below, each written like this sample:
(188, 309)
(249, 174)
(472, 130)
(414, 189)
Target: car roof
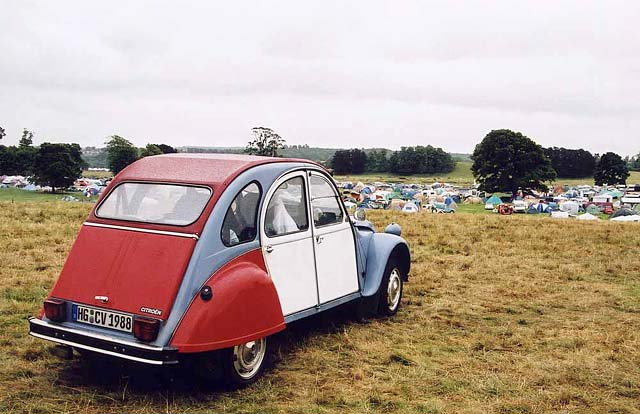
(204, 169)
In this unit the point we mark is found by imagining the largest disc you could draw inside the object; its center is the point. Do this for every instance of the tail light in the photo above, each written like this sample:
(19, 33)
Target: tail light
(55, 309)
(146, 329)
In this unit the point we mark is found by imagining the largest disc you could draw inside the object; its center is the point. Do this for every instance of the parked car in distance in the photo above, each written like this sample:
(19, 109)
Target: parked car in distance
(205, 256)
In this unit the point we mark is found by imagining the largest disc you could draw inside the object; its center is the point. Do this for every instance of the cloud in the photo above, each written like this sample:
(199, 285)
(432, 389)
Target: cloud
(332, 73)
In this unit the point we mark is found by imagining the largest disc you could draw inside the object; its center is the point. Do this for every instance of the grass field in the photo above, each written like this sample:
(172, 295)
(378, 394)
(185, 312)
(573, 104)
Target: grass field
(17, 195)
(461, 175)
(503, 314)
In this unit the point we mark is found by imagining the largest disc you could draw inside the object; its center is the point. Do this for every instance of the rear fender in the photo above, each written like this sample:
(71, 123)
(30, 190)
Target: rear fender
(244, 307)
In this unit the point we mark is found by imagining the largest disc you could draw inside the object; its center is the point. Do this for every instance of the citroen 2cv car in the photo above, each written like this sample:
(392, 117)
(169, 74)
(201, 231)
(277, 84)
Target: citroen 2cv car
(193, 253)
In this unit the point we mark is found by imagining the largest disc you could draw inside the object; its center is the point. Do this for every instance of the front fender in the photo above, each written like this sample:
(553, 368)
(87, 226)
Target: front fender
(381, 247)
(244, 307)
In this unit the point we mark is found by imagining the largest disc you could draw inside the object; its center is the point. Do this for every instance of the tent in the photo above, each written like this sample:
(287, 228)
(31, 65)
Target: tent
(587, 216)
(593, 209)
(570, 207)
(623, 212)
(627, 218)
(492, 202)
(410, 207)
(559, 214)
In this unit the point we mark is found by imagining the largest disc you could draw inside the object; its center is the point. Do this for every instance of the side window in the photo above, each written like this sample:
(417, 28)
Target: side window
(287, 209)
(324, 202)
(239, 224)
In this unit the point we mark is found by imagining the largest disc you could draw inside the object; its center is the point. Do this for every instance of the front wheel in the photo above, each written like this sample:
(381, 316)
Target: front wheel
(244, 363)
(390, 290)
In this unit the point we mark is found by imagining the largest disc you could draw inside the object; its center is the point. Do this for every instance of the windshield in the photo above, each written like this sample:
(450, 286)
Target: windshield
(176, 205)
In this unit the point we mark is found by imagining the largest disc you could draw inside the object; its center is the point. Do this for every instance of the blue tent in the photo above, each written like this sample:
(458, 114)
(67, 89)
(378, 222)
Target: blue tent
(494, 199)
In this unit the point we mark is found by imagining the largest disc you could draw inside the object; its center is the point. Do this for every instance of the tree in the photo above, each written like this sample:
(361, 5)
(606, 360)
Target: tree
(570, 163)
(421, 160)
(150, 149)
(353, 161)
(2, 133)
(27, 139)
(9, 161)
(377, 161)
(120, 153)
(265, 142)
(166, 149)
(57, 165)
(507, 161)
(611, 169)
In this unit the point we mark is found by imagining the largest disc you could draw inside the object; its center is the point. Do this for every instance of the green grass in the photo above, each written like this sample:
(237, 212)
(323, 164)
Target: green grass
(17, 195)
(97, 174)
(461, 175)
(503, 314)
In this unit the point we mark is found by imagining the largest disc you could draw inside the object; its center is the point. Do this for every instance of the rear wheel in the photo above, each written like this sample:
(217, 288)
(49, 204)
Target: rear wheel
(244, 363)
(390, 290)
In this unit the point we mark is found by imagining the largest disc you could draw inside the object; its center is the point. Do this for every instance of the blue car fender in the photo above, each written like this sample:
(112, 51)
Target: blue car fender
(381, 247)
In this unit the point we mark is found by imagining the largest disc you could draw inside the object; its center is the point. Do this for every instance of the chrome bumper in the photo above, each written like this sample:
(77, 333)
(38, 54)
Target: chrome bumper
(102, 344)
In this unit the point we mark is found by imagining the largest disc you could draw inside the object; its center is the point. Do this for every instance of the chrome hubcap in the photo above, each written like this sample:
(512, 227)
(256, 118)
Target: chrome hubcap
(247, 358)
(393, 290)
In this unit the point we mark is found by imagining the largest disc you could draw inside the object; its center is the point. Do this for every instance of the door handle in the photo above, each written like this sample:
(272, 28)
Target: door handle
(319, 239)
(268, 248)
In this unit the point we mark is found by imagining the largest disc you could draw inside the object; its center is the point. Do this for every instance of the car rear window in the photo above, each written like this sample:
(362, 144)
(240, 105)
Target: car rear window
(172, 204)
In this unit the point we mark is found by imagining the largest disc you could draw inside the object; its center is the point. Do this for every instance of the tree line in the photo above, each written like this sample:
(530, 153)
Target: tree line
(58, 165)
(406, 161)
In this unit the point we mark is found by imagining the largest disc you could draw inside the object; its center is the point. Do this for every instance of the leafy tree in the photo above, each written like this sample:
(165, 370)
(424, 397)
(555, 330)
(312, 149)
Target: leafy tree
(57, 165)
(353, 161)
(166, 149)
(341, 162)
(421, 160)
(2, 133)
(9, 160)
(265, 142)
(27, 139)
(377, 161)
(150, 149)
(570, 163)
(611, 169)
(120, 153)
(507, 161)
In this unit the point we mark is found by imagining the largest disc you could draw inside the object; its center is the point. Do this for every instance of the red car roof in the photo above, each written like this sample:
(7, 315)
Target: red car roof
(213, 170)
(207, 169)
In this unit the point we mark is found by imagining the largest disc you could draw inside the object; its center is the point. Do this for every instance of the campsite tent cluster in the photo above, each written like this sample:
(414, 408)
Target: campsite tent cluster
(584, 202)
(88, 187)
(408, 198)
(588, 203)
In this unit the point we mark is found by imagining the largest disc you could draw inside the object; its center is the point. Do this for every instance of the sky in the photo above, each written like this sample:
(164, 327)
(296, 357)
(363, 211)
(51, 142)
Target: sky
(328, 73)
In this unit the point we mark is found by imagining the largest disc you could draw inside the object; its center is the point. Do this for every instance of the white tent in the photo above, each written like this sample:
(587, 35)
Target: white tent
(587, 216)
(570, 207)
(627, 218)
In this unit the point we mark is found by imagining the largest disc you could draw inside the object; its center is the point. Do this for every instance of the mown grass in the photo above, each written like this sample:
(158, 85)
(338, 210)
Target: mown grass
(18, 195)
(462, 176)
(503, 314)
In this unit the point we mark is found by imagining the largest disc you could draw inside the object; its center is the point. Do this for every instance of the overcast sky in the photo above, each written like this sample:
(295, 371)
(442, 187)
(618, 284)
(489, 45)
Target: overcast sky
(332, 74)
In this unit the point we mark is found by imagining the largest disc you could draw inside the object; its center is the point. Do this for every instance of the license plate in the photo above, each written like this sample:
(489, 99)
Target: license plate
(103, 318)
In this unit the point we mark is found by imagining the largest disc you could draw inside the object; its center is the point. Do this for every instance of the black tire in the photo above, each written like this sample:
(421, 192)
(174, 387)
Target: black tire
(390, 297)
(238, 370)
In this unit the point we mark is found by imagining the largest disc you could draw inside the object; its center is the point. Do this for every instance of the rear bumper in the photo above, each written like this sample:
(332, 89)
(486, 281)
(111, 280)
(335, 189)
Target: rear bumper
(102, 344)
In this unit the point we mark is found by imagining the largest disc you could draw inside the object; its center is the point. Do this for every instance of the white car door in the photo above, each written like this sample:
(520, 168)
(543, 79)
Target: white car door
(287, 243)
(333, 241)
